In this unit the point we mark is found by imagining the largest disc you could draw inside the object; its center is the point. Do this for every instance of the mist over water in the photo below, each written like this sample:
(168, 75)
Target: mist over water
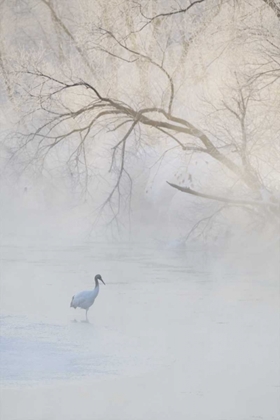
(175, 332)
(140, 141)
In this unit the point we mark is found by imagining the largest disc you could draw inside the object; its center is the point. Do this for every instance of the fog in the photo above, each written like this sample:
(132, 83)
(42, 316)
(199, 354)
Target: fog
(140, 141)
(174, 333)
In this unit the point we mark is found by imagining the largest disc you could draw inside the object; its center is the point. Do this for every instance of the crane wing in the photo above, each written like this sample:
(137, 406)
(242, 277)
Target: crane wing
(84, 299)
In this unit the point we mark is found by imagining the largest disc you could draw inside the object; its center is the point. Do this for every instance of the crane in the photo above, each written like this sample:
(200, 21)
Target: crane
(86, 298)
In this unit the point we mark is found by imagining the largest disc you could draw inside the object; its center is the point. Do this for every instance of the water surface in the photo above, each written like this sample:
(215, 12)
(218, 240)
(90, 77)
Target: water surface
(188, 334)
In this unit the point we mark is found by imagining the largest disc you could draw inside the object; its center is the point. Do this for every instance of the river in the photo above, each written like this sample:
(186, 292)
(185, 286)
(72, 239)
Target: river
(174, 334)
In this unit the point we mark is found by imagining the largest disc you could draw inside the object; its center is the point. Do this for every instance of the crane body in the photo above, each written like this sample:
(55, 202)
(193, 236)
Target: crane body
(86, 298)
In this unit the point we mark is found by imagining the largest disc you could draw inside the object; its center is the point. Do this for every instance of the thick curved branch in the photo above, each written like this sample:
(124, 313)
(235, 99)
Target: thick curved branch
(183, 146)
(274, 7)
(222, 199)
(171, 123)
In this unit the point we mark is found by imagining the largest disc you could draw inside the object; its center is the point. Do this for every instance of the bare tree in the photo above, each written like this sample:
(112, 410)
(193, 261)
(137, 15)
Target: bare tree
(77, 102)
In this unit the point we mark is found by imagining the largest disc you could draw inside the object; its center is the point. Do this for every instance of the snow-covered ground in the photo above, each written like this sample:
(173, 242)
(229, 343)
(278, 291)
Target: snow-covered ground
(184, 335)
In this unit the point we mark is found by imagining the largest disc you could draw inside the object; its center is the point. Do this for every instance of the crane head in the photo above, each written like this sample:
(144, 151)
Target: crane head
(98, 277)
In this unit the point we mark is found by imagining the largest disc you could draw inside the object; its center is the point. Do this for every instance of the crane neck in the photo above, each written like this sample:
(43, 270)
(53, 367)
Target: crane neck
(96, 284)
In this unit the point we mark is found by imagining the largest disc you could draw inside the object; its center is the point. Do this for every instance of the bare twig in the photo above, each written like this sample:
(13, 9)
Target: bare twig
(165, 15)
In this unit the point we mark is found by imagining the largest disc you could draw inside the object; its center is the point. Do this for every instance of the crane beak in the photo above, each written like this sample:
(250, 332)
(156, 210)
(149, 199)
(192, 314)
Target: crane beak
(102, 281)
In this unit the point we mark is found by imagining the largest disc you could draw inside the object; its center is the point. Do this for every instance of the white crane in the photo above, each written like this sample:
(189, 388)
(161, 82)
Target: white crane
(86, 298)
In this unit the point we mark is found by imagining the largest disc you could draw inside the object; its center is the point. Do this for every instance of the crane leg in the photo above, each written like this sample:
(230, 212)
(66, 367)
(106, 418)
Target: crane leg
(86, 315)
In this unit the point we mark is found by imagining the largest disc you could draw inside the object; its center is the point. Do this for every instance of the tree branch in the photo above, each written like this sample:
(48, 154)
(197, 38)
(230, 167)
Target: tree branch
(274, 7)
(61, 24)
(150, 60)
(222, 199)
(163, 15)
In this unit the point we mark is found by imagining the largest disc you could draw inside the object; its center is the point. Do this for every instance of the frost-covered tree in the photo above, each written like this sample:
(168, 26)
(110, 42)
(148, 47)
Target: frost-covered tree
(192, 88)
